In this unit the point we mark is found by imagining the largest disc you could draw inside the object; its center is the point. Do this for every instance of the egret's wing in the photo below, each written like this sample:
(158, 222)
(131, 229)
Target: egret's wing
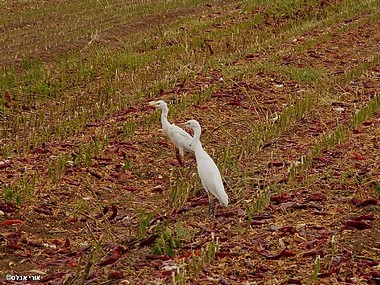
(220, 193)
(181, 132)
(211, 178)
(207, 169)
(181, 138)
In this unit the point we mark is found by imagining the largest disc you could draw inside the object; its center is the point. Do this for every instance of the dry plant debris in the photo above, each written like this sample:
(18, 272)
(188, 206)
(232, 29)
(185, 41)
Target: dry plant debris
(287, 93)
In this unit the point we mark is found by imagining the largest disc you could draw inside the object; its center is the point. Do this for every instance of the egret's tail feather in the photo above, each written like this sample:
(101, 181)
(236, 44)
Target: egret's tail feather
(223, 199)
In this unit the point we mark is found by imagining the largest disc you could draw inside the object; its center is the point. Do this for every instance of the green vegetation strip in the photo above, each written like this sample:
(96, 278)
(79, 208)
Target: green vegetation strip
(338, 136)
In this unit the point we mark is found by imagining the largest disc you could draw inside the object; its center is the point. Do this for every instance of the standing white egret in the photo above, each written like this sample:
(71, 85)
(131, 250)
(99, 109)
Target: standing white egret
(207, 170)
(179, 137)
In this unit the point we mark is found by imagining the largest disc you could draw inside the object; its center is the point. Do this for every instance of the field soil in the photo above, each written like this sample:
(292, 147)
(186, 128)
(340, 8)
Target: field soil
(100, 222)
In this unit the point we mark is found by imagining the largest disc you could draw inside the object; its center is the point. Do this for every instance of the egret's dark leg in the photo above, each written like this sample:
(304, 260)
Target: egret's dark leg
(211, 205)
(182, 154)
(178, 156)
(193, 160)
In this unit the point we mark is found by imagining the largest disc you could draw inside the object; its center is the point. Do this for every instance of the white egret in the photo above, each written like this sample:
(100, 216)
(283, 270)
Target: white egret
(179, 137)
(207, 170)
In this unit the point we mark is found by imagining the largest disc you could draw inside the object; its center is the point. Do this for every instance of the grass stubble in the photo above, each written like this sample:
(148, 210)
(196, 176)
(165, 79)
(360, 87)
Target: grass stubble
(87, 104)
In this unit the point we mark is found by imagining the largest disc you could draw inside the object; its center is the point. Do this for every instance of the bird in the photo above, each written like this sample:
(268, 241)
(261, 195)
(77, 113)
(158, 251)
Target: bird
(178, 136)
(207, 170)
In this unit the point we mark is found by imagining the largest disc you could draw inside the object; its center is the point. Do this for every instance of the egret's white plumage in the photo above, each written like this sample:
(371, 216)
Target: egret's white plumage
(207, 169)
(178, 136)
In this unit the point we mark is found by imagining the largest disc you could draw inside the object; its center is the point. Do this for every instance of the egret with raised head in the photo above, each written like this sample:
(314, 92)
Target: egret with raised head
(178, 136)
(207, 170)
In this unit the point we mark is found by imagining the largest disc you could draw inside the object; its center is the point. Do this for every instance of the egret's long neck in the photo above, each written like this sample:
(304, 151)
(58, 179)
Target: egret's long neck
(164, 118)
(197, 145)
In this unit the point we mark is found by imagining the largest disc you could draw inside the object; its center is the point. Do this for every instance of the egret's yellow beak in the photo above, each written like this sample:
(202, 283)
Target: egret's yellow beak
(152, 104)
